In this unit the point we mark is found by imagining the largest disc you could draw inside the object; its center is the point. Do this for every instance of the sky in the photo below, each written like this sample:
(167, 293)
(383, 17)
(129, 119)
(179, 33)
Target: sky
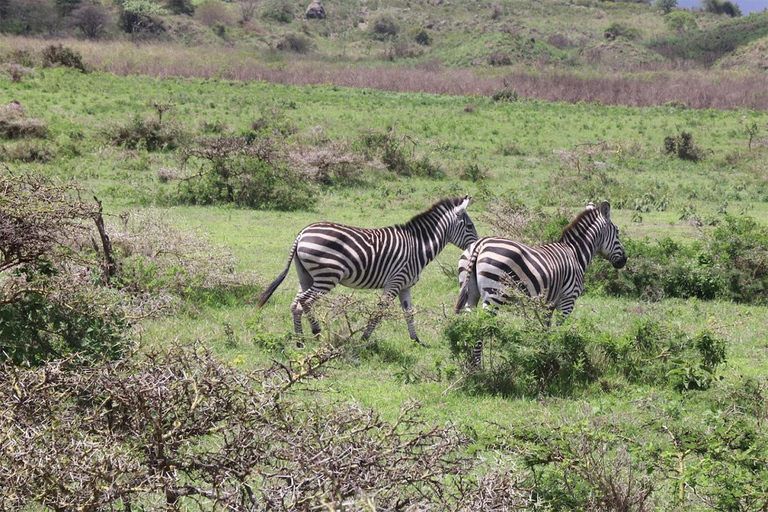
(746, 6)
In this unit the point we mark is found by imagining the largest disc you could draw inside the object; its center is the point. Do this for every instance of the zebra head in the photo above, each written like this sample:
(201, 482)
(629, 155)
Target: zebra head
(608, 244)
(461, 231)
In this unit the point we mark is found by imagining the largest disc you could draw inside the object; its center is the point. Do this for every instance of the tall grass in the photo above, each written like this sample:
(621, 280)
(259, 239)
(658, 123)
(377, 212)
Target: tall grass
(692, 88)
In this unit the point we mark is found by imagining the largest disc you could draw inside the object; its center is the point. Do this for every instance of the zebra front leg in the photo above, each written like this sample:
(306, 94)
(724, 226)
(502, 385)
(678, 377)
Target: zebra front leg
(384, 302)
(407, 305)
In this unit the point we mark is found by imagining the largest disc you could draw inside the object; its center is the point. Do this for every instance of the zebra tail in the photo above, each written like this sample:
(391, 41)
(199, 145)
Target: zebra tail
(464, 292)
(273, 286)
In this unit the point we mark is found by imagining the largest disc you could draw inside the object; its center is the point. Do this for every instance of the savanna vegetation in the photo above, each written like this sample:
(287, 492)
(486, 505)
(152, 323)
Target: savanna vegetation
(152, 187)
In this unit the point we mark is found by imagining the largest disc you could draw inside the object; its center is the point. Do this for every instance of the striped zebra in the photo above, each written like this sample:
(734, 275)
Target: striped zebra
(553, 272)
(391, 258)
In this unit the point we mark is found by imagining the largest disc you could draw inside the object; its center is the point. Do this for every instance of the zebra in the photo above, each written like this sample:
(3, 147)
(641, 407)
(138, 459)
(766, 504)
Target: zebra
(552, 272)
(326, 254)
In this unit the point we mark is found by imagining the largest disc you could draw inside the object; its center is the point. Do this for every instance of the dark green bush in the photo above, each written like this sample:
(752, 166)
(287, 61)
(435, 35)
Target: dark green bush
(38, 327)
(619, 29)
(146, 133)
(421, 36)
(384, 27)
(65, 56)
(531, 360)
(279, 11)
(397, 156)
(505, 94)
(295, 43)
(247, 174)
(683, 147)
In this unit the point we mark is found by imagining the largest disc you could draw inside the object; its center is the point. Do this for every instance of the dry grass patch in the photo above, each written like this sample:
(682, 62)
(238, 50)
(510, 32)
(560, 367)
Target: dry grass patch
(15, 124)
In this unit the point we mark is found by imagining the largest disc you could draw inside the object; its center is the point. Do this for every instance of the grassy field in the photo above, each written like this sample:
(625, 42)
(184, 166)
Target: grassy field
(553, 156)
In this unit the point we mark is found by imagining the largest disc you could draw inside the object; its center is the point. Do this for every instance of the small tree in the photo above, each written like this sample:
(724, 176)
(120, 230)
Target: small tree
(180, 6)
(666, 6)
(680, 21)
(91, 19)
(721, 7)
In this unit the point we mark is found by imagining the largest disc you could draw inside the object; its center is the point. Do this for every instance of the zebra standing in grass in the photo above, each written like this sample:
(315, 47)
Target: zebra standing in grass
(554, 272)
(391, 258)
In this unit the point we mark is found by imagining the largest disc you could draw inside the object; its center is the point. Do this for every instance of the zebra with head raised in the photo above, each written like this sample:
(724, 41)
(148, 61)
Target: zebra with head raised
(390, 258)
(553, 272)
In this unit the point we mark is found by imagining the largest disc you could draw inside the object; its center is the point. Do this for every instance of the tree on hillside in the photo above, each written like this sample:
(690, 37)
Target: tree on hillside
(91, 19)
(180, 6)
(680, 21)
(721, 7)
(666, 6)
(67, 6)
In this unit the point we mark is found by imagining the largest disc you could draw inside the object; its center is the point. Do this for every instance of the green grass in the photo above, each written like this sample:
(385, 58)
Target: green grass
(78, 108)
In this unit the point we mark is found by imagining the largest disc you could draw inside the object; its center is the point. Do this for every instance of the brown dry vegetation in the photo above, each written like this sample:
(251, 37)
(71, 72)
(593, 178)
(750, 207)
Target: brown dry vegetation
(693, 88)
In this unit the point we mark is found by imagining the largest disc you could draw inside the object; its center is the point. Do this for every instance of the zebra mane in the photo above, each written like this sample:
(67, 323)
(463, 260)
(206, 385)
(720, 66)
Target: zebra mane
(440, 206)
(577, 221)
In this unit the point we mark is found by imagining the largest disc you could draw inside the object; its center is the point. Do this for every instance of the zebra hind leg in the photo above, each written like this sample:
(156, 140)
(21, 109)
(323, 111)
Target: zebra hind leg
(302, 305)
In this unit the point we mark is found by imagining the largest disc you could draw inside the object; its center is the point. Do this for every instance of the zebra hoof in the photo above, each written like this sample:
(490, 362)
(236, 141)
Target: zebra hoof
(417, 341)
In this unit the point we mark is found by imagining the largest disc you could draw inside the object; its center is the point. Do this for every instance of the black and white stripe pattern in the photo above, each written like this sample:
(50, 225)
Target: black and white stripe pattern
(391, 258)
(553, 272)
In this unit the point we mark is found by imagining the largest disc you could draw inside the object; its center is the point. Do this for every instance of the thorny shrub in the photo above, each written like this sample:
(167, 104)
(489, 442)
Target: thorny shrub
(178, 427)
(247, 171)
(398, 154)
(146, 133)
(713, 460)
(333, 163)
(50, 300)
(158, 259)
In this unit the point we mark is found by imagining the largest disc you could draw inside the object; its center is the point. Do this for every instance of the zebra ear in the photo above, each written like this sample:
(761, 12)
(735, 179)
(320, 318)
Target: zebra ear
(464, 203)
(605, 209)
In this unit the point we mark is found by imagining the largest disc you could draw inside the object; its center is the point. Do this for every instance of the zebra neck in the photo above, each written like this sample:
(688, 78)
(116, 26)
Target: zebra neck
(430, 236)
(583, 242)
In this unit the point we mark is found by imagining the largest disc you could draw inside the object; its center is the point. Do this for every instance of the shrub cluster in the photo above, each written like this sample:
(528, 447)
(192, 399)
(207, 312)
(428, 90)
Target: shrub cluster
(147, 133)
(527, 361)
(250, 173)
(730, 263)
(683, 147)
(57, 54)
(395, 154)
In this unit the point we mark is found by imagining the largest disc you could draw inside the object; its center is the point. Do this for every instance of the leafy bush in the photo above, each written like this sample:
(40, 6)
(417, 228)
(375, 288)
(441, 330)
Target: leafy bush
(295, 43)
(26, 151)
(67, 57)
(529, 360)
(618, 29)
(505, 94)
(681, 21)
(394, 154)
(683, 147)
(722, 7)
(249, 174)
(146, 133)
(421, 36)
(384, 27)
(277, 10)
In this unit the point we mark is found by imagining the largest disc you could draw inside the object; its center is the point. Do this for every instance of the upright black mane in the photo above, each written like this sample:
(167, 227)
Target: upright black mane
(575, 222)
(443, 204)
